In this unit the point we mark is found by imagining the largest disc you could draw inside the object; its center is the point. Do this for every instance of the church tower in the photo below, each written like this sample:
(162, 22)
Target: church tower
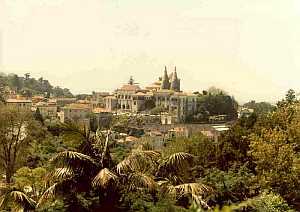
(165, 80)
(175, 82)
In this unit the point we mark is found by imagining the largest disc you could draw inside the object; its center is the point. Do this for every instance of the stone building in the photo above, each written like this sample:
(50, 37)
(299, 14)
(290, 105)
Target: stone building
(165, 93)
(19, 103)
(63, 101)
(47, 109)
(98, 99)
(75, 112)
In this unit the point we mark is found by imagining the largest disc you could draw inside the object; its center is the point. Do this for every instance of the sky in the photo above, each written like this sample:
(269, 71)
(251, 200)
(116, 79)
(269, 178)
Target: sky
(250, 48)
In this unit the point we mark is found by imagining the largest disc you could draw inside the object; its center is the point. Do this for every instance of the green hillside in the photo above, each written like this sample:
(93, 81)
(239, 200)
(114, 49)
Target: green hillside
(29, 86)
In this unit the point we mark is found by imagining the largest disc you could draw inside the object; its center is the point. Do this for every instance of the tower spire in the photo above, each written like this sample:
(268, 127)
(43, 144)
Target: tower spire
(175, 74)
(165, 81)
(175, 82)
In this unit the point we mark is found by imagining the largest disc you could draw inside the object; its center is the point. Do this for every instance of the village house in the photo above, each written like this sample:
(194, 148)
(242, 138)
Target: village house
(47, 109)
(102, 117)
(75, 112)
(61, 102)
(98, 99)
(19, 103)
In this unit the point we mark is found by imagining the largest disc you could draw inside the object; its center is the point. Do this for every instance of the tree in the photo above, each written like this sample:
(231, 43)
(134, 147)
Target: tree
(234, 185)
(89, 175)
(260, 107)
(216, 91)
(149, 104)
(157, 110)
(219, 104)
(38, 116)
(16, 129)
(290, 97)
(29, 180)
(3, 84)
(265, 202)
(16, 82)
(15, 200)
(277, 166)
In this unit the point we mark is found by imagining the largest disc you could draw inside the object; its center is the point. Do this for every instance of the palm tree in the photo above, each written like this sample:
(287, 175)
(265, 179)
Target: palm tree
(142, 171)
(91, 174)
(15, 200)
(72, 176)
(169, 175)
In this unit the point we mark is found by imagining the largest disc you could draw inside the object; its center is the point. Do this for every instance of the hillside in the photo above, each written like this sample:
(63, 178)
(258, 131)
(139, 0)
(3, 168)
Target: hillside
(29, 86)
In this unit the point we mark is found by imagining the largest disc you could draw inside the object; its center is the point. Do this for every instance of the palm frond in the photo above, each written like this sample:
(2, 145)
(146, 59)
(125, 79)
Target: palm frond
(180, 159)
(175, 163)
(69, 158)
(48, 194)
(104, 178)
(62, 173)
(19, 199)
(193, 188)
(141, 181)
(138, 161)
(196, 190)
(4, 199)
(128, 164)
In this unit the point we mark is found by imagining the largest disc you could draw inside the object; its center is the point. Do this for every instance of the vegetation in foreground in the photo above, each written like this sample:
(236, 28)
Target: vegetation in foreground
(254, 166)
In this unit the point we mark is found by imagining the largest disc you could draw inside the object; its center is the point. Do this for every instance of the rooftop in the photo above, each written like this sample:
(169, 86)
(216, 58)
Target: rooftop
(46, 104)
(129, 87)
(78, 106)
(18, 101)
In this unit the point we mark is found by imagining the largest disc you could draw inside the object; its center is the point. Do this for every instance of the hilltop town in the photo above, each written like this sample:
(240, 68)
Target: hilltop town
(149, 106)
(160, 103)
(152, 147)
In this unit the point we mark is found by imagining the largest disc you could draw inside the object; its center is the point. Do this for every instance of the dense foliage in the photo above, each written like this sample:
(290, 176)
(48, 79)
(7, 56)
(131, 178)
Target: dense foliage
(215, 104)
(260, 107)
(28, 86)
(254, 166)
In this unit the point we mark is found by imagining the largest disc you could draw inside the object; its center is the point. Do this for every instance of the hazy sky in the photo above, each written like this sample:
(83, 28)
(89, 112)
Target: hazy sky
(251, 48)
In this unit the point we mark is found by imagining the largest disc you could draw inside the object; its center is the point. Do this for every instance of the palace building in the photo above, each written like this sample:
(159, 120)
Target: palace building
(165, 93)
